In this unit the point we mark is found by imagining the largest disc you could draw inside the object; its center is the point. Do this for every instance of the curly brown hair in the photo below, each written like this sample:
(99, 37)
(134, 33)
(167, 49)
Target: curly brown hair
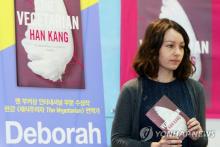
(147, 58)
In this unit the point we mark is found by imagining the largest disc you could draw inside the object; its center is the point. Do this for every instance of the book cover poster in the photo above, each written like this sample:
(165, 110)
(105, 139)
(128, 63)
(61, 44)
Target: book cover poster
(49, 48)
(199, 30)
(168, 117)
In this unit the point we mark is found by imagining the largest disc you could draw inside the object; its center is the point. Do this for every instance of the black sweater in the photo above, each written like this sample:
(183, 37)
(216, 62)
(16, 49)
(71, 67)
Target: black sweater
(125, 128)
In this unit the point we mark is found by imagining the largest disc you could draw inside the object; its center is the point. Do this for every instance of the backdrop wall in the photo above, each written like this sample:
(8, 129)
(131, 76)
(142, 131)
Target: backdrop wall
(110, 34)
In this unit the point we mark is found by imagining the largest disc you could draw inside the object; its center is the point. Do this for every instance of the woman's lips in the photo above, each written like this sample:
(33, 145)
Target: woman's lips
(175, 61)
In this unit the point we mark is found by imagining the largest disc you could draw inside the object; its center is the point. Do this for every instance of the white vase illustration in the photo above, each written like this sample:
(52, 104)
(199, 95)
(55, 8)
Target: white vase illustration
(172, 9)
(48, 42)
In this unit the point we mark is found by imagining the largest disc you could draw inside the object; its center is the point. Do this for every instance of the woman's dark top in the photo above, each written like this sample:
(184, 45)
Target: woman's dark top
(126, 123)
(176, 91)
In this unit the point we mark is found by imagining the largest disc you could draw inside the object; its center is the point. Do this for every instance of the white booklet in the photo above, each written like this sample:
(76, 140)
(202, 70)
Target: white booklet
(169, 118)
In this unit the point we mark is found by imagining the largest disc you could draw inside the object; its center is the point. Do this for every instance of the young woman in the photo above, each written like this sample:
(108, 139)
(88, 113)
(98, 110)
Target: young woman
(164, 67)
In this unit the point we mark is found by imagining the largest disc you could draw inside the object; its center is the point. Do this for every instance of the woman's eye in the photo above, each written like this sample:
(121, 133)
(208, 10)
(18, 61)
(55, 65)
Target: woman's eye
(170, 46)
(182, 47)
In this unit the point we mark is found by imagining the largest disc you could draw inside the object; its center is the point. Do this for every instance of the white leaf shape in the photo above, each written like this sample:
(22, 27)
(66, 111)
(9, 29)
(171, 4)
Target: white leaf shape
(172, 10)
(173, 121)
(49, 58)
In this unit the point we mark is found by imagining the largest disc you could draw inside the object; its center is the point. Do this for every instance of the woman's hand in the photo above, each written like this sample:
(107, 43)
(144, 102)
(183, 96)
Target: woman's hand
(194, 128)
(168, 141)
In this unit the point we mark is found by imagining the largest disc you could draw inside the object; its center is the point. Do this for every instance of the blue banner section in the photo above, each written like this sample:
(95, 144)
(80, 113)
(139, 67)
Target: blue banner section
(110, 46)
(55, 116)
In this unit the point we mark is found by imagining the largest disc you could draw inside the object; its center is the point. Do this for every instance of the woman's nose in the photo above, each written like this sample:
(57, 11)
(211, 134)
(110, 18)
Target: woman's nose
(178, 51)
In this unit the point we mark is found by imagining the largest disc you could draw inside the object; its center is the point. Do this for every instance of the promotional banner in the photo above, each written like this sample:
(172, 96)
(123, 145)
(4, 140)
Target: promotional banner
(51, 89)
(198, 29)
(198, 20)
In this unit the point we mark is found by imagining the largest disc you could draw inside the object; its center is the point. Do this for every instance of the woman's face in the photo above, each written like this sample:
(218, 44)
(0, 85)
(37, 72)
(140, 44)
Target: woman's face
(172, 50)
